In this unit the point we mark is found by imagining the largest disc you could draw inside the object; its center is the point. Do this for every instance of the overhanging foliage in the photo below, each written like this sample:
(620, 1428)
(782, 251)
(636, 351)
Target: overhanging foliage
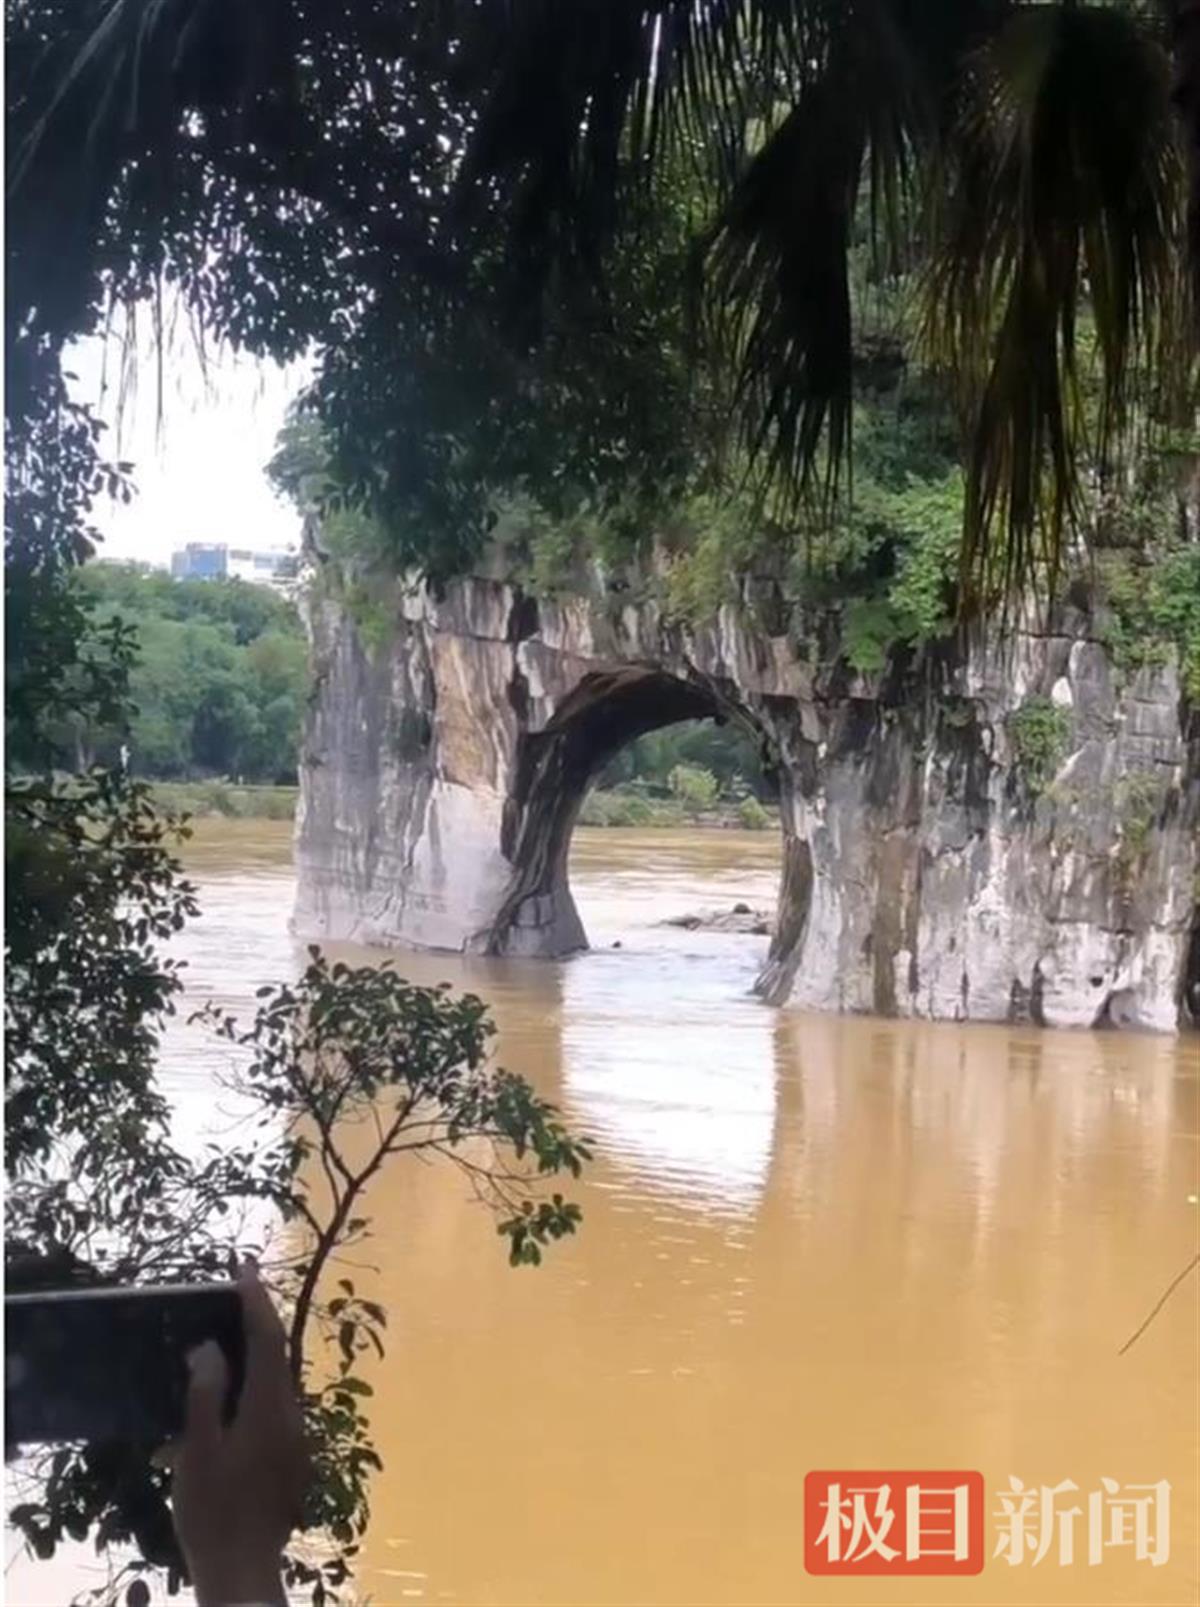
(450, 202)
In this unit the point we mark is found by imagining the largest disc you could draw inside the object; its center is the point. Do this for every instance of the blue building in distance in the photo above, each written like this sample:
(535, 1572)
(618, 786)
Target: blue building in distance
(202, 560)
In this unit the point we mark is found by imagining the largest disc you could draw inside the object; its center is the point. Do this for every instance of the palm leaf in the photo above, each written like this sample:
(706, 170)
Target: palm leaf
(778, 292)
(1183, 20)
(1062, 195)
(99, 111)
(785, 108)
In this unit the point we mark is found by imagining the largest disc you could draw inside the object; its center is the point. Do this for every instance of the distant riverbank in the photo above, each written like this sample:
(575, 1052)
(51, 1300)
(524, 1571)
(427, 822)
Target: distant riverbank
(226, 798)
(616, 806)
(626, 806)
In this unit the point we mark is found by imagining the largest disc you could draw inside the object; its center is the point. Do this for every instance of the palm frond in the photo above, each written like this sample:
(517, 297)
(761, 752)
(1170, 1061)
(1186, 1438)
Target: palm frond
(1061, 201)
(1183, 20)
(785, 108)
(778, 291)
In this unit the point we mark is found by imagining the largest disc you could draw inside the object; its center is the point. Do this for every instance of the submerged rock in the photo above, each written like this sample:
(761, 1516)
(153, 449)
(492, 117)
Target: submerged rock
(741, 918)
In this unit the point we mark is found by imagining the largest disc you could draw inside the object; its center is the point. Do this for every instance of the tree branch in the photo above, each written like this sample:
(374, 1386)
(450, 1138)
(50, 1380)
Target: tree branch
(1160, 1303)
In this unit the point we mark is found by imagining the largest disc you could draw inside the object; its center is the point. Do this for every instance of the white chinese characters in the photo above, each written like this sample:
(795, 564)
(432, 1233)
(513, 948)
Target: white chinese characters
(860, 1519)
(1055, 1520)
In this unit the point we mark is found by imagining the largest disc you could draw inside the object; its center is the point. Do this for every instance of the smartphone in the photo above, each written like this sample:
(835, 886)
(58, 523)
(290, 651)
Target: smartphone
(102, 1364)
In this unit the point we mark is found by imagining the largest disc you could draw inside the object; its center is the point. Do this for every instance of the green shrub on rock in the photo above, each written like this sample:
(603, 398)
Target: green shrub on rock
(752, 816)
(1039, 731)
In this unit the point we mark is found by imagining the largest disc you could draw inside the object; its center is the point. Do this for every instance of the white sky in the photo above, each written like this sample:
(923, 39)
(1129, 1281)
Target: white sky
(199, 467)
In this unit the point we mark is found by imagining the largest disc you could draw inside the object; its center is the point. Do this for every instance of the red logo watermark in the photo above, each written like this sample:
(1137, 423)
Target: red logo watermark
(893, 1523)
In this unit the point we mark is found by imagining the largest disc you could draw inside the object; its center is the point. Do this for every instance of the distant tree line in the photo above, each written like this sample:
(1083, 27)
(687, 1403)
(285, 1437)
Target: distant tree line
(218, 684)
(727, 752)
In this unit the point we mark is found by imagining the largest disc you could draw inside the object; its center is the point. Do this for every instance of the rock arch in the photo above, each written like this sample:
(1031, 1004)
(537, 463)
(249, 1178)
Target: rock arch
(554, 766)
(443, 769)
(443, 775)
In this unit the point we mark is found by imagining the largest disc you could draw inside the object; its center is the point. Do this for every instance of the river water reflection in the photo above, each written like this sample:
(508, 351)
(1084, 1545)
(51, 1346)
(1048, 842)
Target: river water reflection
(808, 1243)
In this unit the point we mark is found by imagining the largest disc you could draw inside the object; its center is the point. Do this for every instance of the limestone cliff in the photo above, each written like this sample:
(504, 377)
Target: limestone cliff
(930, 867)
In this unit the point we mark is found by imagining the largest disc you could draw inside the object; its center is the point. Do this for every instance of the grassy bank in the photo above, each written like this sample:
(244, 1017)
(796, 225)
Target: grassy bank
(226, 798)
(621, 806)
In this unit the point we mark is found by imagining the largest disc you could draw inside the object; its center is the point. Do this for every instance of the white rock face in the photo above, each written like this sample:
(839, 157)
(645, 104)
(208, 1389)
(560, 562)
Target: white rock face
(926, 872)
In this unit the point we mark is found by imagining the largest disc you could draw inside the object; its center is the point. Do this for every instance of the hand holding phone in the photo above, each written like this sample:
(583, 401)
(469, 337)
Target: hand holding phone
(239, 1486)
(96, 1364)
(204, 1366)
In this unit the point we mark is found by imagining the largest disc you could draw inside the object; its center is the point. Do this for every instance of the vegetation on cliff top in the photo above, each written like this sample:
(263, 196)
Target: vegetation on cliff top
(876, 573)
(1153, 592)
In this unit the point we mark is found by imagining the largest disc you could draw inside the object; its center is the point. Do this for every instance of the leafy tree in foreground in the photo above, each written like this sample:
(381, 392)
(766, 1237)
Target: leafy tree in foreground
(97, 1188)
(338, 1075)
(91, 885)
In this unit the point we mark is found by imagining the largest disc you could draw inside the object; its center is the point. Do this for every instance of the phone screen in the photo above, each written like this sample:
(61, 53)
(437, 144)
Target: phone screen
(103, 1364)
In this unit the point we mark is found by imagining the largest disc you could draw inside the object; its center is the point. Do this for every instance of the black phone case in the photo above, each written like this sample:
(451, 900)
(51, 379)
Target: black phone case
(103, 1364)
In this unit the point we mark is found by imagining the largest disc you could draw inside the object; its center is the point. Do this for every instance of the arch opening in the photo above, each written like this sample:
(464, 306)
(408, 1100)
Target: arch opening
(602, 718)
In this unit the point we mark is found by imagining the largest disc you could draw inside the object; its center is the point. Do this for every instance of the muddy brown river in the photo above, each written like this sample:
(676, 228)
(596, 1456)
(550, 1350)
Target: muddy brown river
(808, 1243)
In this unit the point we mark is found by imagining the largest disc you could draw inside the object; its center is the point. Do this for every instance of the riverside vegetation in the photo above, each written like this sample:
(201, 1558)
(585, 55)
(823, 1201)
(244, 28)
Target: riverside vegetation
(218, 684)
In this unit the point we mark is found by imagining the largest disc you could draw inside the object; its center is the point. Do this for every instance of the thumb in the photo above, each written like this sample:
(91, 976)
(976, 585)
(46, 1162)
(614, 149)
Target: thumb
(208, 1382)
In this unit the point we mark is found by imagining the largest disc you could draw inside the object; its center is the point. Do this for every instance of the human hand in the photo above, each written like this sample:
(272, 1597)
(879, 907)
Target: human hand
(238, 1487)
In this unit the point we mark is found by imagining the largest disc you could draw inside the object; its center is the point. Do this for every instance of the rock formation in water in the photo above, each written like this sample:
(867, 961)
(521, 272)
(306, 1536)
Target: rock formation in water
(741, 919)
(977, 835)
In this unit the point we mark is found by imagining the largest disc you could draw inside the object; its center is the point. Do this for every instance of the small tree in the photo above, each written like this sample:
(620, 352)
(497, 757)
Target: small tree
(751, 814)
(340, 1052)
(695, 788)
